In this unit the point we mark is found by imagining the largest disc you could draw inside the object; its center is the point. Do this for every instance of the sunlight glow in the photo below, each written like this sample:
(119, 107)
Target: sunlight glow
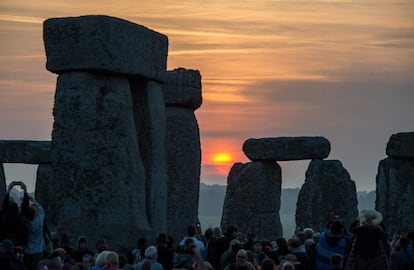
(222, 158)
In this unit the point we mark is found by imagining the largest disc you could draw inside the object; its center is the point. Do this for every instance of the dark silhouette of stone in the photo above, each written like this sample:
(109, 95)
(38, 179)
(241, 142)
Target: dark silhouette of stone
(104, 44)
(150, 121)
(395, 189)
(328, 189)
(401, 145)
(253, 199)
(98, 172)
(183, 88)
(3, 186)
(30, 152)
(46, 191)
(286, 148)
(182, 95)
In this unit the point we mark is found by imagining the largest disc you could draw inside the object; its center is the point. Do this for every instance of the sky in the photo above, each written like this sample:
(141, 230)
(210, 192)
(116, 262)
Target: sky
(343, 70)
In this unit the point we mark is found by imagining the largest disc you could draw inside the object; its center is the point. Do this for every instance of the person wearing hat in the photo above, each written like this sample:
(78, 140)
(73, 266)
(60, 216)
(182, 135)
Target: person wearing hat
(8, 260)
(151, 255)
(369, 243)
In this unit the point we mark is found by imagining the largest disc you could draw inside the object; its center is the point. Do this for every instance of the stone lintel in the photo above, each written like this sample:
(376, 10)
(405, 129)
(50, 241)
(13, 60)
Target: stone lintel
(183, 88)
(21, 151)
(401, 145)
(104, 44)
(286, 148)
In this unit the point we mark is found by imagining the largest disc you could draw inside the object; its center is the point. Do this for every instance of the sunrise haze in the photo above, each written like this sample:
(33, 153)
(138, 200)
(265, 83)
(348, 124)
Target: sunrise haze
(343, 70)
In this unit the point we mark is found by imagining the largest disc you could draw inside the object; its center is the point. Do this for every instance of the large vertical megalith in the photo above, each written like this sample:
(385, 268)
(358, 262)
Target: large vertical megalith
(253, 199)
(96, 159)
(101, 181)
(150, 121)
(182, 94)
(328, 189)
(395, 185)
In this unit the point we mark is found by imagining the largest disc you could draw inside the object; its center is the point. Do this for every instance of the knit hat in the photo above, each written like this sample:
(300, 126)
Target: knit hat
(370, 217)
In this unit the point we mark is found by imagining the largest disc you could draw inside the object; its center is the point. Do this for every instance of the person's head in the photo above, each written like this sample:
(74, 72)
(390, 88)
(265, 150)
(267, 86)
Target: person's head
(370, 217)
(217, 232)
(191, 230)
(101, 245)
(101, 258)
(7, 246)
(112, 258)
(241, 257)
(302, 236)
(151, 252)
(208, 234)
(257, 246)
(287, 266)
(87, 261)
(337, 226)
(82, 242)
(59, 252)
(42, 265)
(232, 231)
(267, 264)
(162, 239)
(54, 263)
(308, 233)
(336, 260)
(294, 243)
(235, 245)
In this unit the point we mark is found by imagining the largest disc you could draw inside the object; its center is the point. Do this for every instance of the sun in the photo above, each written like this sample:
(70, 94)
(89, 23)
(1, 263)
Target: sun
(222, 158)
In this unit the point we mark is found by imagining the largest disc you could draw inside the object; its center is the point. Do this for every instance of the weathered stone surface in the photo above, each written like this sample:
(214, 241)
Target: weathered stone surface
(183, 88)
(395, 189)
(46, 191)
(328, 189)
(150, 121)
(19, 151)
(105, 44)
(401, 145)
(184, 162)
(3, 186)
(286, 148)
(253, 199)
(98, 171)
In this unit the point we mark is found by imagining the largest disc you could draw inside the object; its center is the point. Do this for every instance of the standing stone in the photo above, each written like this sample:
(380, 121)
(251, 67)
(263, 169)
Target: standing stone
(46, 191)
(182, 95)
(395, 186)
(104, 44)
(150, 120)
(3, 186)
(286, 148)
(98, 172)
(401, 145)
(328, 189)
(252, 199)
(20, 151)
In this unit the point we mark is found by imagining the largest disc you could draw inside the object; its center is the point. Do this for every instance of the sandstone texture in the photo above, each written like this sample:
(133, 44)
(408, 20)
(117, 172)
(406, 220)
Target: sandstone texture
(46, 191)
(252, 199)
(286, 148)
(104, 44)
(328, 189)
(98, 172)
(150, 121)
(19, 151)
(184, 163)
(395, 189)
(401, 145)
(183, 88)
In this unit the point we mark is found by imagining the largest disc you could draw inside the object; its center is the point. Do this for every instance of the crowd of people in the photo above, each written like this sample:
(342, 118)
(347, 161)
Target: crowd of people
(26, 244)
